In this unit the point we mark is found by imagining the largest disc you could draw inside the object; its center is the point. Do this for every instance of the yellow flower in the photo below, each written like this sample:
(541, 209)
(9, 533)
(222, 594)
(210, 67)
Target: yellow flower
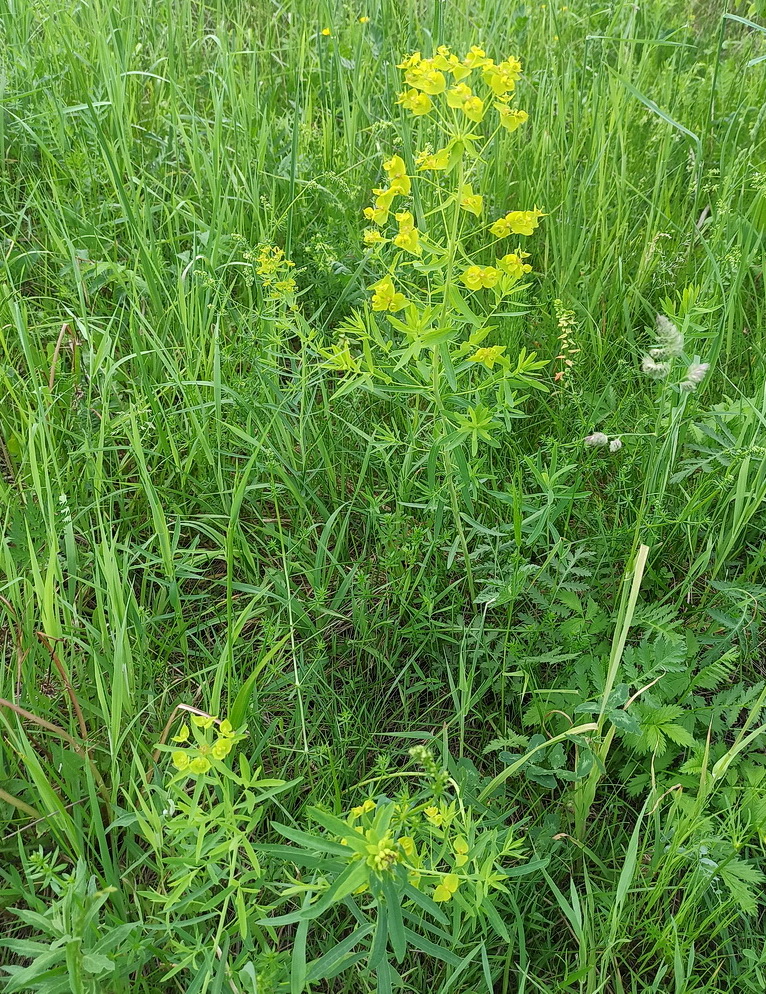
(433, 160)
(509, 118)
(461, 97)
(475, 58)
(381, 855)
(395, 167)
(470, 201)
(384, 198)
(202, 720)
(448, 886)
(513, 264)
(476, 277)
(362, 809)
(409, 241)
(473, 109)
(199, 765)
(447, 62)
(270, 259)
(426, 77)
(376, 214)
(488, 357)
(180, 759)
(517, 223)
(326, 32)
(183, 734)
(416, 103)
(458, 95)
(386, 298)
(502, 78)
(433, 815)
(408, 846)
(410, 61)
(225, 728)
(408, 237)
(397, 175)
(460, 848)
(364, 20)
(222, 748)
(372, 236)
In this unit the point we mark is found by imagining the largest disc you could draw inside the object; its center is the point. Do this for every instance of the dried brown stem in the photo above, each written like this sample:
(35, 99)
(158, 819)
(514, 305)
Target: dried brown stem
(67, 683)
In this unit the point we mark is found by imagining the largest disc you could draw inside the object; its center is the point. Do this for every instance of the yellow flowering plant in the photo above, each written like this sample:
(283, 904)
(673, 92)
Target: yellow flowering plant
(426, 857)
(447, 266)
(202, 822)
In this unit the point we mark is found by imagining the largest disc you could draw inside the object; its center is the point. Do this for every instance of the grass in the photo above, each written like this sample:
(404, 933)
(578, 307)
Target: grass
(193, 515)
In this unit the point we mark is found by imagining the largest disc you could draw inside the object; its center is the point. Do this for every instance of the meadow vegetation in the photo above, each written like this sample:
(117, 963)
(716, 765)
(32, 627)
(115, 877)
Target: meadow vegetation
(382, 478)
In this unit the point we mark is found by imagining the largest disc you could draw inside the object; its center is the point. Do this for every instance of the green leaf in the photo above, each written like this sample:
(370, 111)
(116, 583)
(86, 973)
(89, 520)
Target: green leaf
(97, 964)
(353, 877)
(419, 942)
(624, 721)
(396, 931)
(314, 843)
(238, 711)
(338, 958)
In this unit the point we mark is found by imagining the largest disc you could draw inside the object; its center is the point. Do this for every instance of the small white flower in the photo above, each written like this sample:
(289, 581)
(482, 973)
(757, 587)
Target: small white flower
(657, 370)
(695, 374)
(615, 445)
(598, 438)
(670, 338)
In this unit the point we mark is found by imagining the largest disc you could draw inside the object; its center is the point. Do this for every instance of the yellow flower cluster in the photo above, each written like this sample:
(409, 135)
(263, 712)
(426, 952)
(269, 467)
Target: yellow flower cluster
(488, 356)
(427, 78)
(447, 888)
(270, 260)
(408, 237)
(433, 160)
(513, 264)
(382, 848)
(198, 759)
(386, 297)
(274, 271)
(517, 223)
(448, 75)
(476, 277)
(399, 185)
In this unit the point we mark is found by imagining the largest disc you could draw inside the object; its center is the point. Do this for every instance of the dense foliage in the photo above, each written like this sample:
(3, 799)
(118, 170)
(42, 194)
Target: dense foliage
(381, 573)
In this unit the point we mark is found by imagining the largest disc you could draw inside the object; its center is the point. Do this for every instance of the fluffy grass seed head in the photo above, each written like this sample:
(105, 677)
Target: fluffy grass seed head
(670, 340)
(695, 374)
(596, 440)
(656, 370)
